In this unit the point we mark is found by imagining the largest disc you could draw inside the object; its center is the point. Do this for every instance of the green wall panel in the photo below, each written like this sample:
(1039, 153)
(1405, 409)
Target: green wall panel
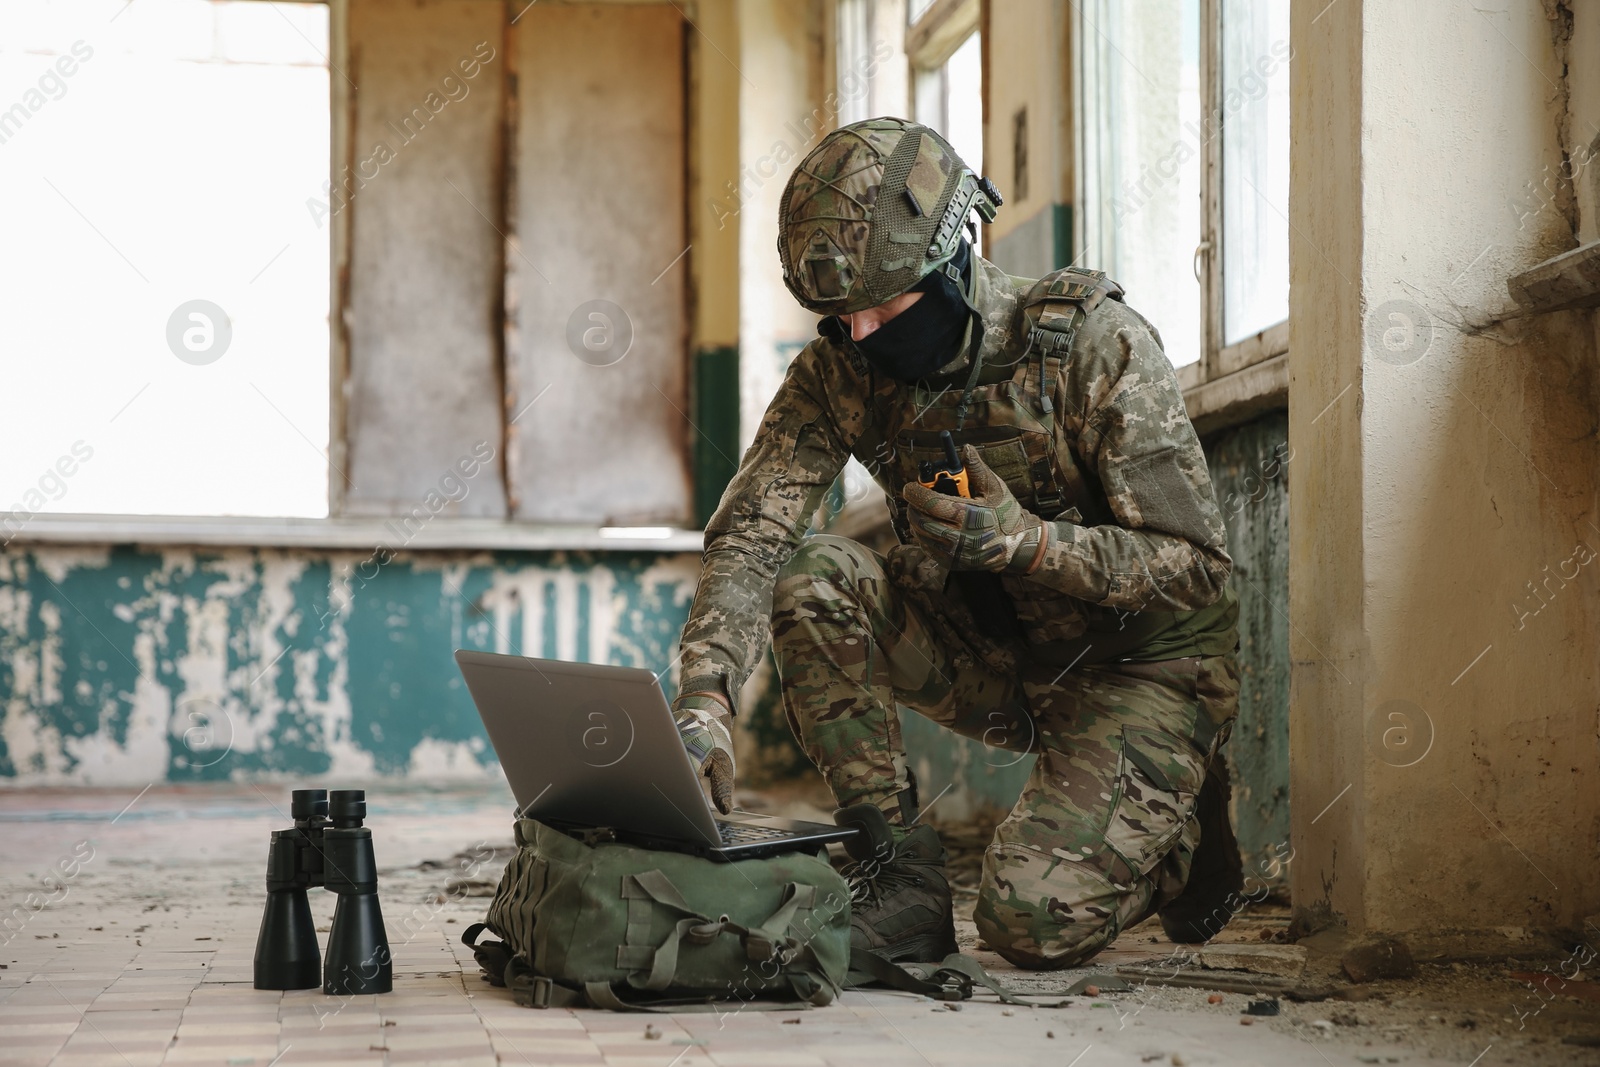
(1250, 468)
(716, 426)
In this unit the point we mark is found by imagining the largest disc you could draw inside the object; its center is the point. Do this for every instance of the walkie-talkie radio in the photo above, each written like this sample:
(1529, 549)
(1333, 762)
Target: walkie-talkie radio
(950, 477)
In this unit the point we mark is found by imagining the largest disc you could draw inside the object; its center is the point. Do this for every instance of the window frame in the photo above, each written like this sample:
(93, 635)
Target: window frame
(933, 37)
(1228, 383)
(1221, 359)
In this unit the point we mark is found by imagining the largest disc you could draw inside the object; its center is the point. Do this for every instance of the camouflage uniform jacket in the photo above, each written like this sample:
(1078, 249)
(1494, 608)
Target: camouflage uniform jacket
(1137, 565)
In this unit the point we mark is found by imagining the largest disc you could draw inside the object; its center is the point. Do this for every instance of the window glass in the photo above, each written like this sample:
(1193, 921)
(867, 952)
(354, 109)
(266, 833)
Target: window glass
(964, 102)
(164, 288)
(950, 99)
(1255, 165)
(852, 57)
(927, 90)
(1139, 87)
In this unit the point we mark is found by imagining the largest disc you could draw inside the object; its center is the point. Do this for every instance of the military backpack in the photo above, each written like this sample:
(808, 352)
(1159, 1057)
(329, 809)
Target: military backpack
(603, 924)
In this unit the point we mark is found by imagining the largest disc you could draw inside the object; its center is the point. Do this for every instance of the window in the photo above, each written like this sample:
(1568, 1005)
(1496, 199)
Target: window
(1183, 149)
(947, 83)
(165, 318)
(950, 99)
(853, 52)
(1138, 75)
(1255, 166)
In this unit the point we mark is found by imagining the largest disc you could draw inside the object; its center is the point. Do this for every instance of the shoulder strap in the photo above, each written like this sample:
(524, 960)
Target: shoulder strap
(1075, 284)
(1054, 307)
(1053, 310)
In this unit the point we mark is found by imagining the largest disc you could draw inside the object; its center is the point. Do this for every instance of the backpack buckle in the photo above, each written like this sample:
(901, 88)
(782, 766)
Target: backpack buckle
(531, 991)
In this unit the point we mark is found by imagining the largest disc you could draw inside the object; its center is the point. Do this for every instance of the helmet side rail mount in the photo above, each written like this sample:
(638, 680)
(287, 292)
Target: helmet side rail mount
(974, 191)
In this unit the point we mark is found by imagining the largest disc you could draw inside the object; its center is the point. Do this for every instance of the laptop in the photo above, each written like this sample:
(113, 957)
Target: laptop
(591, 747)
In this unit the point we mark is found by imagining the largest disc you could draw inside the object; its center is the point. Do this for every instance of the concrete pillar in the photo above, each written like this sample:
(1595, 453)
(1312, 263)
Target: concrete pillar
(783, 113)
(1444, 538)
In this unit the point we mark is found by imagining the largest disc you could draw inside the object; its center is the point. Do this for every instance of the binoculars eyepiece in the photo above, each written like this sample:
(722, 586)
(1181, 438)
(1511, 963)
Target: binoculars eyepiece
(306, 804)
(327, 846)
(347, 807)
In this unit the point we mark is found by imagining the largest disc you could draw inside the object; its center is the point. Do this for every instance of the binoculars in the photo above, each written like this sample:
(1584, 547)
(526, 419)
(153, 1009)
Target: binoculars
(327, 846)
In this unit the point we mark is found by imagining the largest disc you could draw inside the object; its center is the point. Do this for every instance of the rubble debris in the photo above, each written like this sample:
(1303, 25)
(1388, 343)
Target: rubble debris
(1281, 960)
(1164, 975)
(1269, 1006)
(1383, 957)
(1100, 983)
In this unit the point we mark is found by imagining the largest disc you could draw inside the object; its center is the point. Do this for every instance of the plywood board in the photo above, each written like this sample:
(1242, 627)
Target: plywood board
(424, 187)
(596, 279)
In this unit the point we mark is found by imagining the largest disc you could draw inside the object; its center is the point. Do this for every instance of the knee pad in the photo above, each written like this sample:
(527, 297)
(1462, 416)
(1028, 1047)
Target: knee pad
(1023, 918)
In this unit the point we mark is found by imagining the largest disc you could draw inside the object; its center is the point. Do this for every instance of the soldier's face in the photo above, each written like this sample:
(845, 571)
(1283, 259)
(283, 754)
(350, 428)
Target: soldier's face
(864, 323)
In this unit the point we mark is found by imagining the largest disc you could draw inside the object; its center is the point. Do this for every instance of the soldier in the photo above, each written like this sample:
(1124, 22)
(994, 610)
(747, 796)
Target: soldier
(1075, 606)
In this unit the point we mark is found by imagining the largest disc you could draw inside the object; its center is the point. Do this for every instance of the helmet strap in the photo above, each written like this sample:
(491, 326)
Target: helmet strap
(974, 334)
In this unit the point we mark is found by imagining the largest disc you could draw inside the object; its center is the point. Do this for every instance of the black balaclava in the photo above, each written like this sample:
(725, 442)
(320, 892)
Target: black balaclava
(924, 337)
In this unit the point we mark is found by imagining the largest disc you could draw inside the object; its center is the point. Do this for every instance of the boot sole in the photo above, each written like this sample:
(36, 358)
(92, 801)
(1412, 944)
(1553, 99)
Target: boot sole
(917, 950)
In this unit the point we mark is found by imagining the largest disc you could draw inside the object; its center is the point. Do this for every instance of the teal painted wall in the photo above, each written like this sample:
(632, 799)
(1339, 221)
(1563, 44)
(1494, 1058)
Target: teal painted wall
(1250, 468)
(715, 449)
(129, 665)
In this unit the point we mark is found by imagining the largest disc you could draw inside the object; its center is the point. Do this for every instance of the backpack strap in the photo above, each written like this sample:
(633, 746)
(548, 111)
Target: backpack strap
(609, 997)
(492, 956)
(953, 978)
(772, 940)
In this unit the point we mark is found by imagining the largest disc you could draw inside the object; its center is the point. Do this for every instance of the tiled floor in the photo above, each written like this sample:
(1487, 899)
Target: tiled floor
(142, 955)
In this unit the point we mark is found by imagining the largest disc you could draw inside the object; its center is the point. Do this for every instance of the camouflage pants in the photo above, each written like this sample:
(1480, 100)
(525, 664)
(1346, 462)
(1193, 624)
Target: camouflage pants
(1104, 830)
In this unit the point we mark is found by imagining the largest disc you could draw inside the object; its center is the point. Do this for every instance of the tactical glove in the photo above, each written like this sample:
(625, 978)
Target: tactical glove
(989, 531)
(703, 724)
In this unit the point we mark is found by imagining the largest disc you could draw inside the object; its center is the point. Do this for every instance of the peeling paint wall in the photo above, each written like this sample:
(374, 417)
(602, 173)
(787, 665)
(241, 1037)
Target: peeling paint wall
(1250, 468)
(130, 665)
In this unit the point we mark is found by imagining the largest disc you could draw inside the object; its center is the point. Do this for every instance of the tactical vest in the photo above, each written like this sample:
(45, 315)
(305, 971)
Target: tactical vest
(1012, 423)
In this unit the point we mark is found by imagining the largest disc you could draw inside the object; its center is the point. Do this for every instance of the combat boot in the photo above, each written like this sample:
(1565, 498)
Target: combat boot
(900, 904)
(1216, 875)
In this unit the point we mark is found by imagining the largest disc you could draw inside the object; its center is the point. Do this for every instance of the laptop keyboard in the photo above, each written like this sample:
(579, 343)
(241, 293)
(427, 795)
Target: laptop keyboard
(740, 834)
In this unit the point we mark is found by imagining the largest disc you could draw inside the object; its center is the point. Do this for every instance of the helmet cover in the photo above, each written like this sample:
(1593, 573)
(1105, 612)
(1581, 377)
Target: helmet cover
(872, 210)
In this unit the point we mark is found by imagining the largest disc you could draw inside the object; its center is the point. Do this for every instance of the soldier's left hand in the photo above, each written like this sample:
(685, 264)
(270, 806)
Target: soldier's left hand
(989, 531)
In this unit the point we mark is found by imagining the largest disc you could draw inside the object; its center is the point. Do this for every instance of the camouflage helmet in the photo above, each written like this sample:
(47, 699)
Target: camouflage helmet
(876, 207)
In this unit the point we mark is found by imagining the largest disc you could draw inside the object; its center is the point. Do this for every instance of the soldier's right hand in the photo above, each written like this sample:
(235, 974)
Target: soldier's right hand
(705, 726)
